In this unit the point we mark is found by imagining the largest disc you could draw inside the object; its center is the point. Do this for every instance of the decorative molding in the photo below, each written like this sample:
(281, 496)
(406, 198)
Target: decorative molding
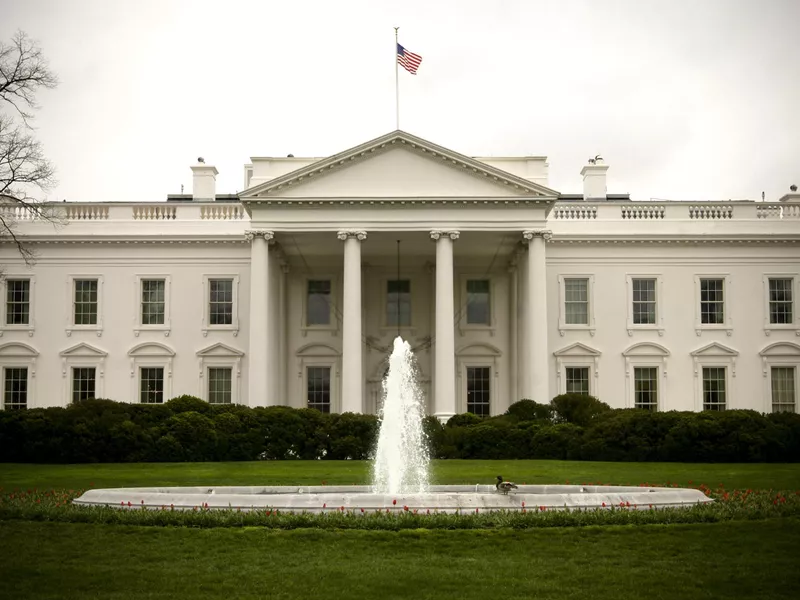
(352, 233)
(437, 234)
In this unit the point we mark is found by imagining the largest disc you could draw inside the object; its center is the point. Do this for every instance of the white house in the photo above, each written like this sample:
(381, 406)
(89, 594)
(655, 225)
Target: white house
(292, 291)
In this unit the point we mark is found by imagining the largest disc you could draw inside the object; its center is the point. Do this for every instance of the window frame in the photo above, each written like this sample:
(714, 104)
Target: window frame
(318, 355)
(82, 355)
(139, 372)
(220, 355)
(586, 368)
(165, 327)
(72, 380)
(646, 354)
(491, 382)
(30, 326)
(18, 355)
(727, 325)
(779, 354)
(463, 324)
(333, 325)
(331, 375)
(563, 326)
(658, 326)
(150, 354)
(415, 283)
(715, 355)
(795, 324)
(577, 355)
(796, 386)
(3, 371)
(206, 326)
(71, 326)
(657, 380)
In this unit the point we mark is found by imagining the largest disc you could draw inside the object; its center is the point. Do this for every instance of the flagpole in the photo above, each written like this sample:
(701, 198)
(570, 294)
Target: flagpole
(396, 82)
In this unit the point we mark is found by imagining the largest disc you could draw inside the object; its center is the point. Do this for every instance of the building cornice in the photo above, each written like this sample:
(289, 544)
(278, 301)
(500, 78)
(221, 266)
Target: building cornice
(450, 202)
(683, 240)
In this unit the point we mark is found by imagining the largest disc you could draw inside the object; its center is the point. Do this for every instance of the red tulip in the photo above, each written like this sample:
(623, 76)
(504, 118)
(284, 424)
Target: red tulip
(394, 501)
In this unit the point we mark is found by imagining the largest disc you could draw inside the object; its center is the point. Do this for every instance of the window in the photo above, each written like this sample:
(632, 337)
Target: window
(220, 386)
(318, 388)
(712, 301)
(398, 303)
(644, 301)
(784, 389)
(576, 301)
(153, 301)
(781, 301)
(645, 388)
(479, 390)
(18, 301)
(15, 388)
(220, 302)
(318, 302)
(478, 298)
(577, 380)
(85, 302)
(83, 383)
(151, 385)
(714, 388)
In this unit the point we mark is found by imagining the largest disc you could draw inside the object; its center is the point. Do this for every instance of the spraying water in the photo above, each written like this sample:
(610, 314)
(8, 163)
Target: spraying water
(401, 457)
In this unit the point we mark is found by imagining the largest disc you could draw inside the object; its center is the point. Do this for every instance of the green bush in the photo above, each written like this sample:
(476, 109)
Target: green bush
(578, 409)
(464, 420)
(528, 410)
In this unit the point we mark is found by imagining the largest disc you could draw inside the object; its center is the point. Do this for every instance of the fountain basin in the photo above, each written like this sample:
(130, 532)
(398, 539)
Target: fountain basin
(439, 498)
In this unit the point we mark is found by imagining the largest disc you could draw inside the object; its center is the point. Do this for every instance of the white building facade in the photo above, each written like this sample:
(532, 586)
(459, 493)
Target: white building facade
(292, 292)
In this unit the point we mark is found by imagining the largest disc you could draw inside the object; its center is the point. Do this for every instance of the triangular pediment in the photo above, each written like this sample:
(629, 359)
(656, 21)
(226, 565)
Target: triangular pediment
(219, 349)
(715, 349)
(398, 165)
(83, 349)
(781, 349)
(646, 349)
(577, 349)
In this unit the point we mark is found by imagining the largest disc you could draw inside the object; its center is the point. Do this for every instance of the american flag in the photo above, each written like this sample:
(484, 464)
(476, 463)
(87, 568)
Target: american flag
(409, 60)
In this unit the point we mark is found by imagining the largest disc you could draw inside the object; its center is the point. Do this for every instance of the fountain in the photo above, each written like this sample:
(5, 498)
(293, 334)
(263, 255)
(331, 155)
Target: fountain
(399, 476)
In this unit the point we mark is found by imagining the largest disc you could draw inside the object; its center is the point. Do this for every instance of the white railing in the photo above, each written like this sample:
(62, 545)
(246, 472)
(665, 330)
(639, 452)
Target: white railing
(573, 212)
(642, 211)
(86, 212)
(222, 212)
(710, 211)
(677, 211)
(155, 212)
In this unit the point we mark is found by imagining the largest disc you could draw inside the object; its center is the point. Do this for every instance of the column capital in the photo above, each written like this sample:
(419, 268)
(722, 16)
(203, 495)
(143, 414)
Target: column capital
(252, 234)
(545, 234)
(436, 234)
(352, 233)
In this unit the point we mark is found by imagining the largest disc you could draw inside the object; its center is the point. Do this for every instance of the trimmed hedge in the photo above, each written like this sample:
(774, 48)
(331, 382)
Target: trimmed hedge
(571, 427)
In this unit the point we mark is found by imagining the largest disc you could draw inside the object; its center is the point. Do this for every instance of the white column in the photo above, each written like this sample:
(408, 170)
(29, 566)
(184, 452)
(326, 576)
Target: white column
(282, 343)
(352, 363)
(538, 372)
(258, 357)
(513, 325)
(444, 395)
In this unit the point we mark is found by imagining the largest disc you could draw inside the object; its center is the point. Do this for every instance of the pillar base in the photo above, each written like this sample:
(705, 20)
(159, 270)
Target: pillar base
(444, 417)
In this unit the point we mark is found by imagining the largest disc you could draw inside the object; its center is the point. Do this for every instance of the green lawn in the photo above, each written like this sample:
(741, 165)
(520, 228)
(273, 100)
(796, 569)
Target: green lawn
(751, 559)
(756, 476)
(754, 560)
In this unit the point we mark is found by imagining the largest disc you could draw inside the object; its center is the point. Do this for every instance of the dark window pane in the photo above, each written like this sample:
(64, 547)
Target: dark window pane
(15, 388)
(712, 301)
(577, 380)
(479, 390)
(85, 302)
(644, 301)
(714, 388)
(83, 383)
(219, 385)
(318, 388)
(478, 310)
(151, 385)
(153, 301)
(18, 298)
(645, 381)
(318, 302)
(398, 303)
(220, 302)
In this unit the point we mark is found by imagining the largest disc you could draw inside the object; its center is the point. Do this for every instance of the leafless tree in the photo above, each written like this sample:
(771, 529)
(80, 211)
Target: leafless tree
(24, 169)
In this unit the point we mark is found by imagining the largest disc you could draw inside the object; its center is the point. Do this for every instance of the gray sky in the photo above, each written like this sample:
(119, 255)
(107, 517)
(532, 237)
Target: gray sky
(684, 99)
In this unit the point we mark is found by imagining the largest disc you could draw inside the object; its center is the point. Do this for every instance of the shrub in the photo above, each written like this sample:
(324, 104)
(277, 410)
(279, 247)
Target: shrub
(577, 409)
(528, 410)
(464, 420)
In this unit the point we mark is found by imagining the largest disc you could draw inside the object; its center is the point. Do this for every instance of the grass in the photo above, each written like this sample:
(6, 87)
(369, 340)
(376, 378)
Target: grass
(752, 559)
(737, 559)
(732, 476)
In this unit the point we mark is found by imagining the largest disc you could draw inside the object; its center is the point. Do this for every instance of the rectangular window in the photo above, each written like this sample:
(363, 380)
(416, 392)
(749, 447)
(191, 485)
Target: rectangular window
(220, 302)
(577, 380)
(576, 301)
(479, 390)
(644, 301)
(714, 390)
(219, 385)
(645, 388)
(478, 309)
(83, 383)
(318, 302)
(318, 388)
(18, 301)
(712, 301)
(85, 302)
(783, 389)
(15, 388)
(153, 301)
(398, 303)
(781, 302)
(151, 385)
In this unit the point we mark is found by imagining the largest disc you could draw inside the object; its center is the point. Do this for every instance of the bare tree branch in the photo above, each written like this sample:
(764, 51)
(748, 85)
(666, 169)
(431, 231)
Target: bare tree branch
(24, 169)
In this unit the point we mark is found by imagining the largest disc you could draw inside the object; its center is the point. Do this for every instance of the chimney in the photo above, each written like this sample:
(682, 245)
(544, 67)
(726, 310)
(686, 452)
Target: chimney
(204, 181)
(594, 179)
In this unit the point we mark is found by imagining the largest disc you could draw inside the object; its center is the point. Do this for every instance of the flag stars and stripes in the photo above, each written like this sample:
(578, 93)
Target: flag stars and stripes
(409, 61)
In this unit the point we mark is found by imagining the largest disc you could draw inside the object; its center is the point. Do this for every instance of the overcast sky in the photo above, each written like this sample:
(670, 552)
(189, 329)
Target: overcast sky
(685, 99)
